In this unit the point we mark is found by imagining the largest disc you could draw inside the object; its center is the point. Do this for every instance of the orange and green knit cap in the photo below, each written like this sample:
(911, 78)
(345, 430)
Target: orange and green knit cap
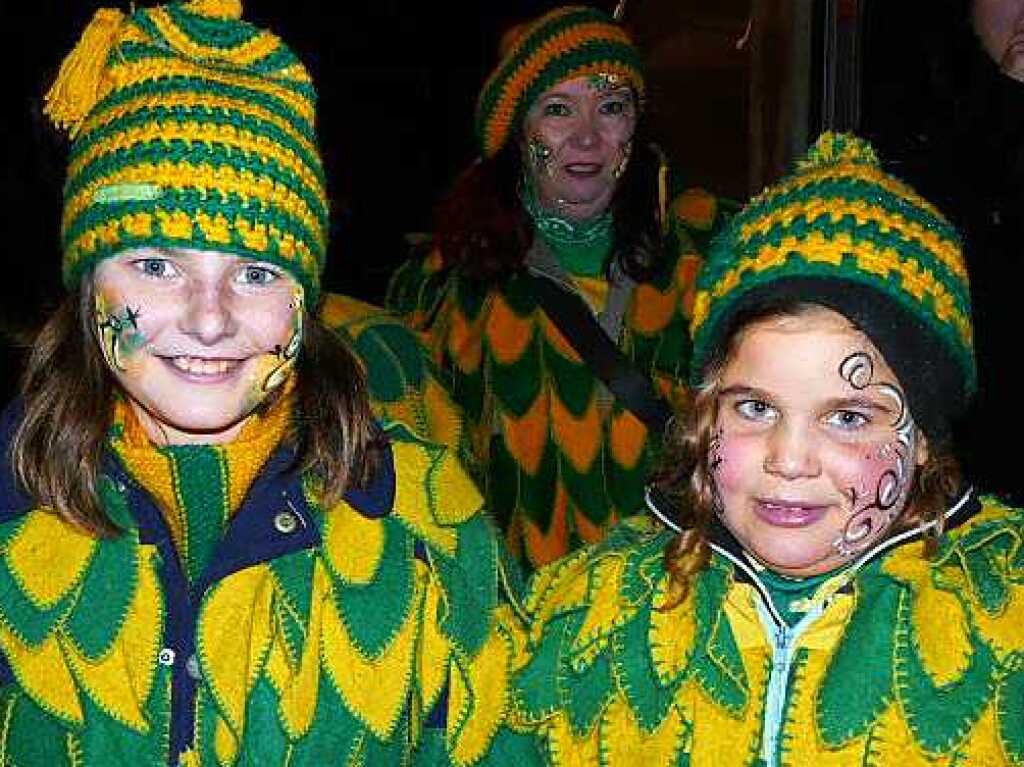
(191, 128)
(843, 233)
(570, 41)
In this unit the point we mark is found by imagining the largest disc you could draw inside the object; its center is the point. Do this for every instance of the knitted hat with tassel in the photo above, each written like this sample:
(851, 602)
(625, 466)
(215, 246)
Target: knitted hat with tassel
(191, 128)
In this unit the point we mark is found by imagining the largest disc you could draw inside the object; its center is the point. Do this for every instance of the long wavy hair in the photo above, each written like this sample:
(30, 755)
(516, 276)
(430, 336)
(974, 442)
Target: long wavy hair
(484, 231)
(68, 397)
(684, 473)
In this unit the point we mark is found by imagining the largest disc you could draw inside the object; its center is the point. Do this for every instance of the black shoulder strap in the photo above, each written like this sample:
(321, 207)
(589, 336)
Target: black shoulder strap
(576, 322)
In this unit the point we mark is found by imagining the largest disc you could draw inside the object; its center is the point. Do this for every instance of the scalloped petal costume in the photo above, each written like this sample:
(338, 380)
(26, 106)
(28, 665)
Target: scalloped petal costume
(562, 464)
(911, 662)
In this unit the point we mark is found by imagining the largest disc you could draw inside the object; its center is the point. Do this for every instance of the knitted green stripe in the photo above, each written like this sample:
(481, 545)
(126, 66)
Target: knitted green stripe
(853, 190)
(796, 266)
(204, 91)
(191, 201)
(201, 485)
(210, 32)
(219, 117)
(529, 48)
(228, 35)
(559, 68)
(869, 233)
(197, 154)
(75, 269)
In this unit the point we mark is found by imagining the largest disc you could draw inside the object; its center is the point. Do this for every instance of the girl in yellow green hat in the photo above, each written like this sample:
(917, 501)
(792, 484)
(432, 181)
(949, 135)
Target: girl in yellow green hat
(824, 590)
(211, 550)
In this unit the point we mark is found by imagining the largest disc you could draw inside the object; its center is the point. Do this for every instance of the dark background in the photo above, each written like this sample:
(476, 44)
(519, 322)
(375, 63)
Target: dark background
(398, 81)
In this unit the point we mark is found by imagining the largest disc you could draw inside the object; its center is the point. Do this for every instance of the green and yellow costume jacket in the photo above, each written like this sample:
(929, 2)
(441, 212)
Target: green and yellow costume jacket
(562, 461)
(897, 660)
(235, 620)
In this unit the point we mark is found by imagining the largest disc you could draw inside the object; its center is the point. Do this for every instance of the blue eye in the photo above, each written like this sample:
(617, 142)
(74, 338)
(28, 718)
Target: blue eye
(756, 410)
(157, 268)
(847, 419)
(252, 274)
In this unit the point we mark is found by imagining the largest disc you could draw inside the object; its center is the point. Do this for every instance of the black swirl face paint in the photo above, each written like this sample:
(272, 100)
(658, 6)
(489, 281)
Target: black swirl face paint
(883, 505)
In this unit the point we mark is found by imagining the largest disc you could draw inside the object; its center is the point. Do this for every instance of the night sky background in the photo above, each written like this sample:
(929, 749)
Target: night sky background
(397, 83)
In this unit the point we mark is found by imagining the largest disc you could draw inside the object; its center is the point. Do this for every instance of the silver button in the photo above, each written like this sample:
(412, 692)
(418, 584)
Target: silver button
(121, 487)
(286, 522)
(192, 667)
(166, 657)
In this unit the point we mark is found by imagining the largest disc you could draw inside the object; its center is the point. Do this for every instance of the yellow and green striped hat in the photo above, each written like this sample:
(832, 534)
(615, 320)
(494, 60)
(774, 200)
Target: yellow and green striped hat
(570, 41)
(842, 233)
(192, 128)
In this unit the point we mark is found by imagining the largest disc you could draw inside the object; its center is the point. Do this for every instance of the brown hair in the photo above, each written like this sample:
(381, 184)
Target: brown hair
(68, 396)
(685, 477)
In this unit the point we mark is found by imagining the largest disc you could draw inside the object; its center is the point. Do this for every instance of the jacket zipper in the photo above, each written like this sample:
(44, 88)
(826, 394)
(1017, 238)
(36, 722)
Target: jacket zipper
(784, 640)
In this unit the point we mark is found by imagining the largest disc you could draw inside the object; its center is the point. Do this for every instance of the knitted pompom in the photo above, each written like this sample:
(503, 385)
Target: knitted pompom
(838, 148)
(215, 9)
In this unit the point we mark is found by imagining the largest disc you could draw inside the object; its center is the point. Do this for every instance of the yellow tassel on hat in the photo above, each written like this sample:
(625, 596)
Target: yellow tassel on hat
(215, 9)
(78, 86)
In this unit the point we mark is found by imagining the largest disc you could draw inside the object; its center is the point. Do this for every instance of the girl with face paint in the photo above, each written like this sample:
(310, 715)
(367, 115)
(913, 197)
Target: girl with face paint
(814, 594)
(211, 550)
(567, 190)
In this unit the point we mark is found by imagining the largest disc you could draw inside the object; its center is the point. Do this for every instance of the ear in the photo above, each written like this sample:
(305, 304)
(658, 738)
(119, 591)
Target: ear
(921, 452)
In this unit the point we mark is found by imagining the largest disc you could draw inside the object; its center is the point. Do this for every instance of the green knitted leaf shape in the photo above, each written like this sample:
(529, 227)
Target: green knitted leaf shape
(360, 605)
(398, 357)
(573, 389)
(470, 581)
(105, 740)
(334, 734)
(370, 752)
(517, 385)
(587, 490)
(939, 716)
(28, 735)
(1010, 710)
(537, 491)
(854, 693)
(28, 621)
(584, 695)
(716, 661)
(107, 592)
(293, 598)
(535, 695)
(637, 677)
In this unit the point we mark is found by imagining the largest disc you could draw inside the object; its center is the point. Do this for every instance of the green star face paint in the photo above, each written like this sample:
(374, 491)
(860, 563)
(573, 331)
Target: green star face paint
(197, 340)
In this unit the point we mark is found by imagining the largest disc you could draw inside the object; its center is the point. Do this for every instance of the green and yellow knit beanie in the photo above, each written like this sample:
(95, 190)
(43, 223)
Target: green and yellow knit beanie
(192, 128)
(570, 41)
(842, 233)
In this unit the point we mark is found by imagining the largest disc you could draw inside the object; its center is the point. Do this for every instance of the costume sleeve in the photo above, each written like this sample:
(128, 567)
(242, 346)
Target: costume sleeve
(405, 385)
(469, 625)
(418, 287)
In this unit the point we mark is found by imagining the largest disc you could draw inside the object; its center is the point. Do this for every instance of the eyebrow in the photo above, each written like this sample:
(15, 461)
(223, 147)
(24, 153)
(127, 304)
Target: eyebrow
(839, 403)
(743, 391)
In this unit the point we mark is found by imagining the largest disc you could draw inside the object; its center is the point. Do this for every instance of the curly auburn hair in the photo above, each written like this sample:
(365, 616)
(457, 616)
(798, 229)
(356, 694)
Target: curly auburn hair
(684, 474)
